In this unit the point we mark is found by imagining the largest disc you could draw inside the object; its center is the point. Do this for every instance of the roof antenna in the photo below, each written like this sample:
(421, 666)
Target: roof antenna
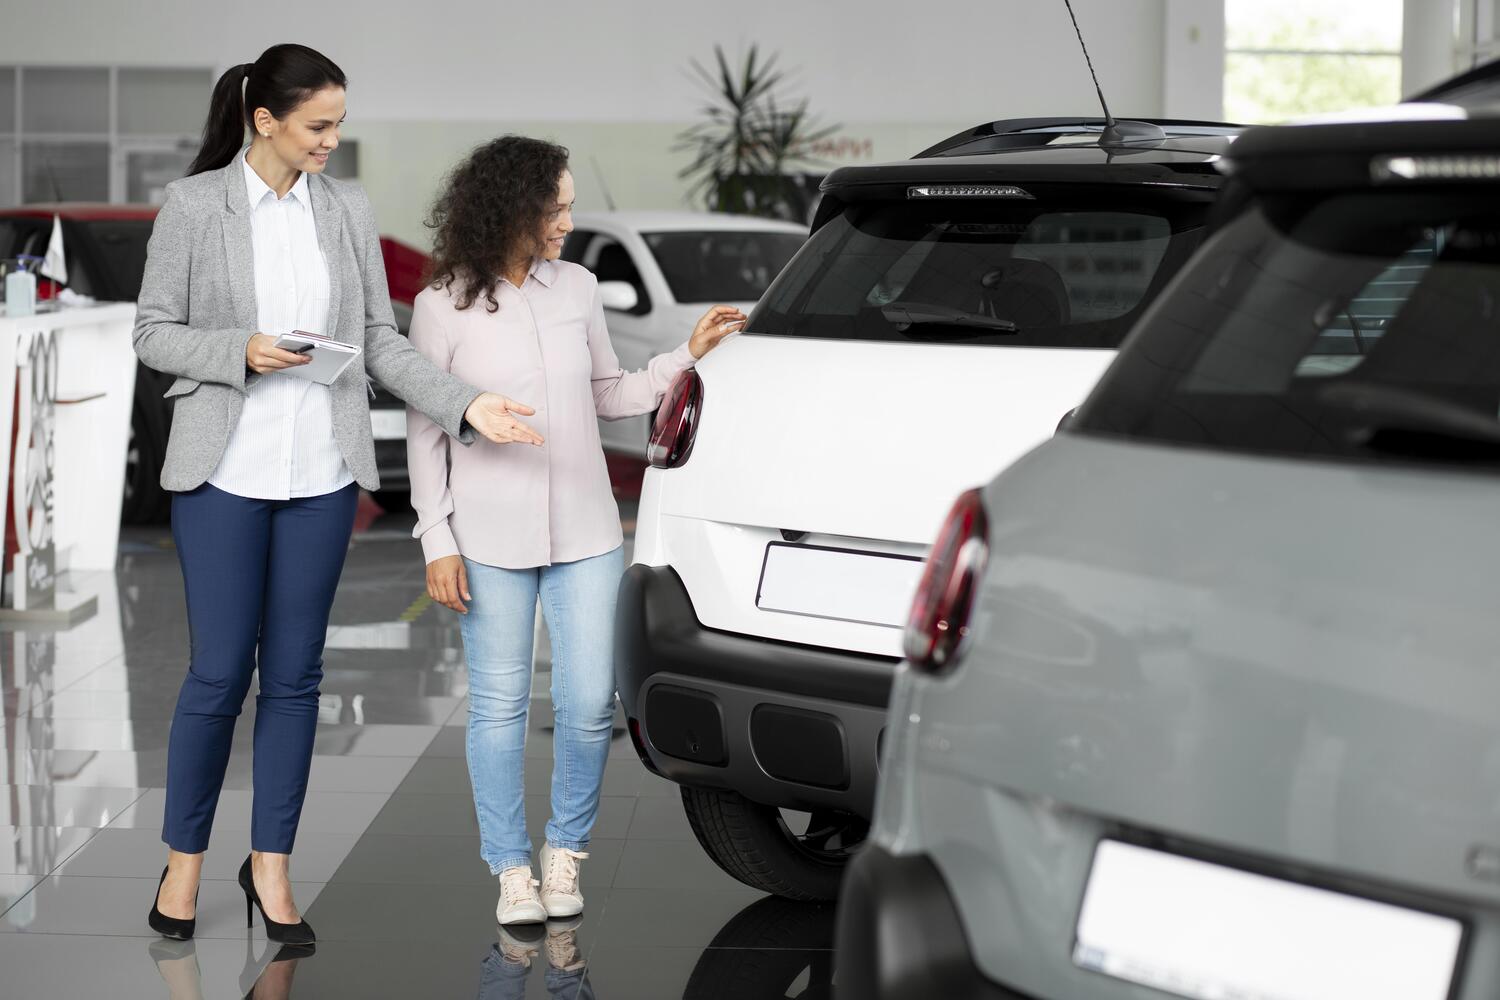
(609, 202)
(1115, 133)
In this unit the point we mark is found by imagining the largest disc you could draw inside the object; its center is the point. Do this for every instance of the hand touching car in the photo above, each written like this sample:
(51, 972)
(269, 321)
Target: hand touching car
(716, 324)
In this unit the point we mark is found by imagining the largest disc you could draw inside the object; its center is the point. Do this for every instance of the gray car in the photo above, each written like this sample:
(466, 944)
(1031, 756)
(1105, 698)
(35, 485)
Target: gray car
(1202, 696)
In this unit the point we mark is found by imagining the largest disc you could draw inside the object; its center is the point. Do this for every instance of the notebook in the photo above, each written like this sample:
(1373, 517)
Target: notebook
(329, 356)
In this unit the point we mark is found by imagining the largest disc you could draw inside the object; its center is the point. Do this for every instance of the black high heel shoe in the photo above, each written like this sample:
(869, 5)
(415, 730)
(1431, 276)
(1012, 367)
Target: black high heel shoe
(170, 927)
(295, 934)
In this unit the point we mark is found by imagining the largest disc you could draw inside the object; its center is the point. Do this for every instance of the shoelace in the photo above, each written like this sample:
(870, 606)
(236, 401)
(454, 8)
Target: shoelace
(562, 869)
(516, 884)
(562, 950)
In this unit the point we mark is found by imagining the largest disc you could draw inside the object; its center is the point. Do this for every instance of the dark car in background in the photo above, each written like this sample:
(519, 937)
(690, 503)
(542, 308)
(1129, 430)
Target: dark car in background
(105, 247)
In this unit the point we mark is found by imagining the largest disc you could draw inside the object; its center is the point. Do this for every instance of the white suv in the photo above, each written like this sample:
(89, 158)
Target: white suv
(945, 316)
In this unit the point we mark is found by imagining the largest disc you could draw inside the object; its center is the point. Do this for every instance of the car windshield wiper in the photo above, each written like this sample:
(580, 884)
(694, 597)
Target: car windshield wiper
(1388, 418)
(908, 314)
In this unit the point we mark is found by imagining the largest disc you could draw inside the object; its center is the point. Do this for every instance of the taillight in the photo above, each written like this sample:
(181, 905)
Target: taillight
(676, 422)
(939, 621)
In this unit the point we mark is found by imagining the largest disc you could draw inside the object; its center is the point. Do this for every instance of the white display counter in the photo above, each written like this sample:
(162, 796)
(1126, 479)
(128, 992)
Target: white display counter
(90, 376)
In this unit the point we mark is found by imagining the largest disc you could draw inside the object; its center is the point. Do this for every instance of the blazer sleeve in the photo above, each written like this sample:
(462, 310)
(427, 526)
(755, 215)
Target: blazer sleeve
(617, 392)
(163, 337)
(389, 358)
(427, 444)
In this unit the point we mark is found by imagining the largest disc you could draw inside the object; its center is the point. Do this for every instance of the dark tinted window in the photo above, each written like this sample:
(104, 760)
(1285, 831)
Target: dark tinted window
(722, 266)
(122, 251)
(1021, 273)
(1364, 326)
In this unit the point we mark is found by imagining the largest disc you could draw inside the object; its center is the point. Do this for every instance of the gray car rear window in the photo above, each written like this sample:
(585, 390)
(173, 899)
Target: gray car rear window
(1364, 326)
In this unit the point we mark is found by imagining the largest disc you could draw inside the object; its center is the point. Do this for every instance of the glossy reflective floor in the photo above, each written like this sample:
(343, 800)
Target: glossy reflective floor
(387, 860)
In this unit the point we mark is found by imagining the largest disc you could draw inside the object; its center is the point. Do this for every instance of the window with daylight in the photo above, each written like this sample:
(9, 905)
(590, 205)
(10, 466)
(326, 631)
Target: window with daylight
(1286, 58)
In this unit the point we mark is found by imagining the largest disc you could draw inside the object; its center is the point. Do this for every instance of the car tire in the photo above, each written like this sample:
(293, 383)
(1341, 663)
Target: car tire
(393, 501)
(754, 844)
(145, 502)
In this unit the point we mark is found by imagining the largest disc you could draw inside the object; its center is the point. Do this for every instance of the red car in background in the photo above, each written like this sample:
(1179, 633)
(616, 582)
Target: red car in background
(106, 257)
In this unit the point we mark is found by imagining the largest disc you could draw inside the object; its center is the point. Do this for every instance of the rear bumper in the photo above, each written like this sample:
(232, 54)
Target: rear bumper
(782, 724)
(899, 935)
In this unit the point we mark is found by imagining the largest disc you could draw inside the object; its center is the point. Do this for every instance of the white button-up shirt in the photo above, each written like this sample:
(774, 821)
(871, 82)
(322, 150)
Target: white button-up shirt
(283, 446)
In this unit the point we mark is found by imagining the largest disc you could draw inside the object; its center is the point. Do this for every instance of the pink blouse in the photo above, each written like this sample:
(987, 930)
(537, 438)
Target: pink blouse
(518, 505)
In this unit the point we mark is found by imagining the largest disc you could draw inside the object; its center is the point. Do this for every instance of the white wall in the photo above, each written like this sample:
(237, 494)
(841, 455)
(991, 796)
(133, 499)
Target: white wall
(1193, 59)
(428, 81)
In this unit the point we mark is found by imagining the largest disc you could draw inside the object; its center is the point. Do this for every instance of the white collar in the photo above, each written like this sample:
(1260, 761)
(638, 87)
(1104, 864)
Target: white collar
(257, 189)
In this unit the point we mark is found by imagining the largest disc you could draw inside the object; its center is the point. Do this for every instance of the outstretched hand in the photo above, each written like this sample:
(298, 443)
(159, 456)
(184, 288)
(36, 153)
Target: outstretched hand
(492, 415)
(716, 324)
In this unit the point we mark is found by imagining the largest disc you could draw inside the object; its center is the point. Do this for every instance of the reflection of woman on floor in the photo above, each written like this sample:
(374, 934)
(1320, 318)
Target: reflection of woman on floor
(177, 964)
(503, 526)
(506, 967)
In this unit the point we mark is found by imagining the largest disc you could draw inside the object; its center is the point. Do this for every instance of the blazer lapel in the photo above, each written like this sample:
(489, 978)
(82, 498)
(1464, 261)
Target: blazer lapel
(239, 246)
(329, 222)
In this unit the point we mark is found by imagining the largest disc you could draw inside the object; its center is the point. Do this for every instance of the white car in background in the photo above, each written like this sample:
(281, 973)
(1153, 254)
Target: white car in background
(658, 271)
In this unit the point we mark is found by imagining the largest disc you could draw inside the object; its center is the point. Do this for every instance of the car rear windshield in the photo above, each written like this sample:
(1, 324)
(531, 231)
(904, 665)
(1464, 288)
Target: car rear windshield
(721, 266)
(1363, 326)
(1014, 272)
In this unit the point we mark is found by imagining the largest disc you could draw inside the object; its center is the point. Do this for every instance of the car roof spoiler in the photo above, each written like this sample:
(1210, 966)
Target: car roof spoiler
(1023, 133)
(1355, 155)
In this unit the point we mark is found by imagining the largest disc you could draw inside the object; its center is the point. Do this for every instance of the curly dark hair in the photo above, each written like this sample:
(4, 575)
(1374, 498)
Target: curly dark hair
(491, 211)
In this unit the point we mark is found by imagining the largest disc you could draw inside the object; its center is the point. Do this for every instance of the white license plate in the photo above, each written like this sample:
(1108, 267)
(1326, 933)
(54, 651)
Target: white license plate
(840, 584)
(1208, 932)
(387, 425)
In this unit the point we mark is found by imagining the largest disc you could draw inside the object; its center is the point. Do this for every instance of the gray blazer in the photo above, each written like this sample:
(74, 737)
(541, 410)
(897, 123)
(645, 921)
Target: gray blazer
(197, 313)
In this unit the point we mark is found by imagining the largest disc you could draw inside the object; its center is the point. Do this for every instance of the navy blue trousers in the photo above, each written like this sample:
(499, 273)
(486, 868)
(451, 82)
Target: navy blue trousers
(260, 576)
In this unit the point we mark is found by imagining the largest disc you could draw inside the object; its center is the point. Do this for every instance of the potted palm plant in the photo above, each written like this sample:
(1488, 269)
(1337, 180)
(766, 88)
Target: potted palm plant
(750, 141)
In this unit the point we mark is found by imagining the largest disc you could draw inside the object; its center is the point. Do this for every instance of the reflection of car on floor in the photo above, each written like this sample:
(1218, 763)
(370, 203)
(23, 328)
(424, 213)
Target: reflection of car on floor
(1200, 694)
(946, 314)
(772, 948)
(106, 256)
(658, 272)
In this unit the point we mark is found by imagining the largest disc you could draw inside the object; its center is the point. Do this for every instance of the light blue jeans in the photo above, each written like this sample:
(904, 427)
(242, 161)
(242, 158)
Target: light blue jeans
(578, 603)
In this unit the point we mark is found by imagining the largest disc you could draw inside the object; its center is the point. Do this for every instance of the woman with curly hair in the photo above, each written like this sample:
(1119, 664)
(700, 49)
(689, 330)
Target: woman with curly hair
(503, 527)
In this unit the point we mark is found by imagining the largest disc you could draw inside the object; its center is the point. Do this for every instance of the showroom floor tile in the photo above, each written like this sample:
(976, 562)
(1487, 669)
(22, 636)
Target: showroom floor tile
(387, 865)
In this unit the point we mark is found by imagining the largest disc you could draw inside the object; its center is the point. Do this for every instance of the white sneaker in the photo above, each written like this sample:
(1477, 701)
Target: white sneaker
(519, 903)
(560, 893)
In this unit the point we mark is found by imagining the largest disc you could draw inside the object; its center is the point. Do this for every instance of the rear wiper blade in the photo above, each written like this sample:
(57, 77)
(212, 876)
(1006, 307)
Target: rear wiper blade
(1385, 415)
(908, 314)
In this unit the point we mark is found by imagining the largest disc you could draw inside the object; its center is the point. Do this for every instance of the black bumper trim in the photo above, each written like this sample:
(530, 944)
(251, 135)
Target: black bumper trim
(659, 641)
(899, 936)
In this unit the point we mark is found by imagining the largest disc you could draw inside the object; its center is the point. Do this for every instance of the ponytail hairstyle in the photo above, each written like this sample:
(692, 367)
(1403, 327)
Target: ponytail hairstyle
(282, 78)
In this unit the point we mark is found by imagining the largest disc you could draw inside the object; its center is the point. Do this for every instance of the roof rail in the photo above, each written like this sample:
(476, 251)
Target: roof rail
(1041, 131)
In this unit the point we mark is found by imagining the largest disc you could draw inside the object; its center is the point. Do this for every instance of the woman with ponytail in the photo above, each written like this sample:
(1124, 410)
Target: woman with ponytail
(264, 465)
